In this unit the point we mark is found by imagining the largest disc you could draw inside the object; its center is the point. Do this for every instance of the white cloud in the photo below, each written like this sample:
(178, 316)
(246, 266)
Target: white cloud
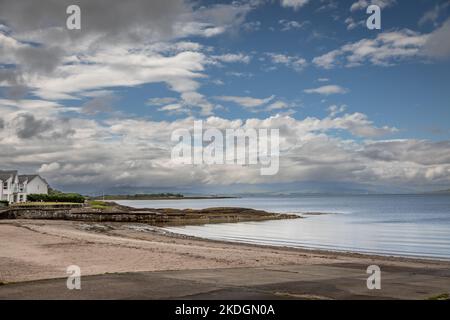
(51, 167)
(363, 4)
(389, 48)
(277, 105)
(295, 4)
(432, 15)
(11, 108)
(175, 108)
(139, 151)
(352, 24)
(327, 90)
(287, 25)
(437, 44)
(335, 110)
(232, 58)
(327, 60)
(386, 49)
(161, 101)
(359, 125)
(247, 102)
(295, 62)
(251, 26)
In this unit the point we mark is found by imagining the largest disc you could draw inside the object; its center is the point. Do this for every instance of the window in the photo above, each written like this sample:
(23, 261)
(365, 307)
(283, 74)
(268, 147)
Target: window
(5, 185)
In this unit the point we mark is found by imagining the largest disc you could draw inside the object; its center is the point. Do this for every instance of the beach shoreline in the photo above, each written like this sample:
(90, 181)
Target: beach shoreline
(36, 250)
(311, 249)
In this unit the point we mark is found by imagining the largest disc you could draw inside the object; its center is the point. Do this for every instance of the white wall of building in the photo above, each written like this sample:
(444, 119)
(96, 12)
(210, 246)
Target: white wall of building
(36, 186)
(5, 189)
(9, 188)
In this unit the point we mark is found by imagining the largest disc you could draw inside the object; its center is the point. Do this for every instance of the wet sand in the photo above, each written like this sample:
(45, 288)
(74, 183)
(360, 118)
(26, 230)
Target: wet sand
(126, 259)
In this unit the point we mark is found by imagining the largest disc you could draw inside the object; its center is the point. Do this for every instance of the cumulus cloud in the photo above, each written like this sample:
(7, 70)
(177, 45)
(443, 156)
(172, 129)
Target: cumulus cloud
(107, 20)
(295, 4)
(432, 15)
(359, 125)
(335, 109)
(27, 126)
(161, 101)
(120, 67)
(140, 151)
(388, 48)
(327, 90)
(41, 108)
(287, 25)
(363, 4)
(99, 104)
(111, 50)
(232, 58)
(247, 102)
(296, 63)
(175, 108)
(277, 105)
(437, 44)
(352, 24)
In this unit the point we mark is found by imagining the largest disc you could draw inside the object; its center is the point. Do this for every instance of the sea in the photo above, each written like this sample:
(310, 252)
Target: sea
(395, 225)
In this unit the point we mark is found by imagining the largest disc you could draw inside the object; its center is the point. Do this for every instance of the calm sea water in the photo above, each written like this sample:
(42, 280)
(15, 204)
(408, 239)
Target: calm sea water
(405, 225)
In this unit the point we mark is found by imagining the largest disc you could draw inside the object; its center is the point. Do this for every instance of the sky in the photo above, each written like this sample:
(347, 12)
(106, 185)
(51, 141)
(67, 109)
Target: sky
(94, 109)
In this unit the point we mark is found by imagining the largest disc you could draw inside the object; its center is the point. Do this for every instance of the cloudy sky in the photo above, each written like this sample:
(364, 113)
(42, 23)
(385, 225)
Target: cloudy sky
(93, 109)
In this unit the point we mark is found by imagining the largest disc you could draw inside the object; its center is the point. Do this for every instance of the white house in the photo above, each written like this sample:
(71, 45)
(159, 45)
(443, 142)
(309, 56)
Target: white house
(15, 188)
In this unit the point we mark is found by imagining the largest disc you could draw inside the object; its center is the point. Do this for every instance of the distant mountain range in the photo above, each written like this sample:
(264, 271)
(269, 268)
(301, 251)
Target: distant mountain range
(261, 190)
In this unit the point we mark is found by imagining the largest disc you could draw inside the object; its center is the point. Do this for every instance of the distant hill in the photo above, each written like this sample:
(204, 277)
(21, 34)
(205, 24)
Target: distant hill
(441, 191)
(155, 196)
(152, 196)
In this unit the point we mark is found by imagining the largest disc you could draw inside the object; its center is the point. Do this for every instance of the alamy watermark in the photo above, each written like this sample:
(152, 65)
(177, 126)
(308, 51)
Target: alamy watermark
(374, 20)
(74, 279)
(241, 146)
(374, 280)
(73, 21)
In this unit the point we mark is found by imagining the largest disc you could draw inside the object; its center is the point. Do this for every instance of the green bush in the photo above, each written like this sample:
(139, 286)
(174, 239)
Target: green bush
(60, 197)
(4, 203)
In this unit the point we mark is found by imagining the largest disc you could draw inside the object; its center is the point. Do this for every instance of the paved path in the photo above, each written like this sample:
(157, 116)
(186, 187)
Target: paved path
(335, 281)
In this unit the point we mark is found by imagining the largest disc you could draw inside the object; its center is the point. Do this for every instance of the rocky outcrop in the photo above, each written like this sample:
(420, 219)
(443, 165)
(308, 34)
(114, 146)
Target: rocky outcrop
(156, 217)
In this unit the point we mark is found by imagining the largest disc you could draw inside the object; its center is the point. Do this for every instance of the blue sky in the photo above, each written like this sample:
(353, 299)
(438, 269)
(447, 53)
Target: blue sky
(411, 95)
(78, 105)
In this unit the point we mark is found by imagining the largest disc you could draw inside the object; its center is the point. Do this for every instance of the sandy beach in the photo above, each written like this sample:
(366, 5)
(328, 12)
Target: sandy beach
(33, 250)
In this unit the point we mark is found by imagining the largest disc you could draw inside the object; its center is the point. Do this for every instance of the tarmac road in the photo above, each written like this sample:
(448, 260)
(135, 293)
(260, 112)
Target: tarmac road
(327, 281)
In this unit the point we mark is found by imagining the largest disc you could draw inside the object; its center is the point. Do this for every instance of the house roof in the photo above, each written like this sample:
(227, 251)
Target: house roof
(5, 175)
(29, 177)
(26, 177)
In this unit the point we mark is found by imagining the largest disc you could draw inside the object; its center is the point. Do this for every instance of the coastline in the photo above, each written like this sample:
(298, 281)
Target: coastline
(125, 198)
(113, 212)
(35, 250)
(311, 249)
